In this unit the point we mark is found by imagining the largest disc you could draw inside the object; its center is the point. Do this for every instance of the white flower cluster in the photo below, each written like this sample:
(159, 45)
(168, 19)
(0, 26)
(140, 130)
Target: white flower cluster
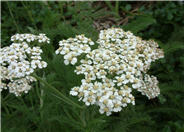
(18, 61)
(41, 38)
(114, 69)
(73, 47)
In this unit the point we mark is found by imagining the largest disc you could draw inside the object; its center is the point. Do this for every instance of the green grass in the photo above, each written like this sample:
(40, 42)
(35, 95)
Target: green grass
(41, 111)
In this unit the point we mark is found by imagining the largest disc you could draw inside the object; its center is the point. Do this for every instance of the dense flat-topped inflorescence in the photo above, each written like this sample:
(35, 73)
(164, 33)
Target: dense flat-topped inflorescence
(19, 60)
(114, 69)
(73, 47)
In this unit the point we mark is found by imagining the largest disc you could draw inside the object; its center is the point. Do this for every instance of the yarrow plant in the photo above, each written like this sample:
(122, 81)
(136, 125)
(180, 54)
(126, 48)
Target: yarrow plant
(111, 72)
(19, 60)
(118, 66)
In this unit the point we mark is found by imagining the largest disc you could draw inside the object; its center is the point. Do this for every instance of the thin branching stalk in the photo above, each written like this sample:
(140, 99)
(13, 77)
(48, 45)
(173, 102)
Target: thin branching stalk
(61, 95)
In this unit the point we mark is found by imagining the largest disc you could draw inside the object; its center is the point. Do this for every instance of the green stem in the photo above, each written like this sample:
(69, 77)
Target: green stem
(41, 99)
(117, 8)
(82, 117)
(37, 90)
(65, 99)
(114, 9)
(61, 5)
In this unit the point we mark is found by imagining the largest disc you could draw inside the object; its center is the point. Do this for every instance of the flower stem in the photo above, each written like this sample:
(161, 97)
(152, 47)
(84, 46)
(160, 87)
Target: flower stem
(64, 98)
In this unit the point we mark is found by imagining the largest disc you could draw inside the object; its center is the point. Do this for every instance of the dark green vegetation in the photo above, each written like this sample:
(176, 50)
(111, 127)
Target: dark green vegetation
(40, 111)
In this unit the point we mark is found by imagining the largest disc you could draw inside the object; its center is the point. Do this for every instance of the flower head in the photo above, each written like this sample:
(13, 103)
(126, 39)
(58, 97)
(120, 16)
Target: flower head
(19, 60)
(113, 70)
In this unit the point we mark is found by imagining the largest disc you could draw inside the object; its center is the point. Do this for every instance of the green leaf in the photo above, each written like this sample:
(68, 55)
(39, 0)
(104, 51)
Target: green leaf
(173, 46)
(170, 16)
(141, 23)
(162, 99)
(128, 7)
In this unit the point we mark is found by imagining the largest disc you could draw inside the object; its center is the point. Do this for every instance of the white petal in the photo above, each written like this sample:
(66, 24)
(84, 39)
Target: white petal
(74, 60)
(66, 62)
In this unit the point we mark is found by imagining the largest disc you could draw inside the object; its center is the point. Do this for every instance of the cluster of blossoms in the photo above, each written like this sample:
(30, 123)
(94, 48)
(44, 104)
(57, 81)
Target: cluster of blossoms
(19, 60)
(73, 47)
(114, 69)
(41, 38)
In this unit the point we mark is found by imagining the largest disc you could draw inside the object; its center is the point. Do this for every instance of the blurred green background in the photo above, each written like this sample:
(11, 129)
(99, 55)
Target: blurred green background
(40, 111)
